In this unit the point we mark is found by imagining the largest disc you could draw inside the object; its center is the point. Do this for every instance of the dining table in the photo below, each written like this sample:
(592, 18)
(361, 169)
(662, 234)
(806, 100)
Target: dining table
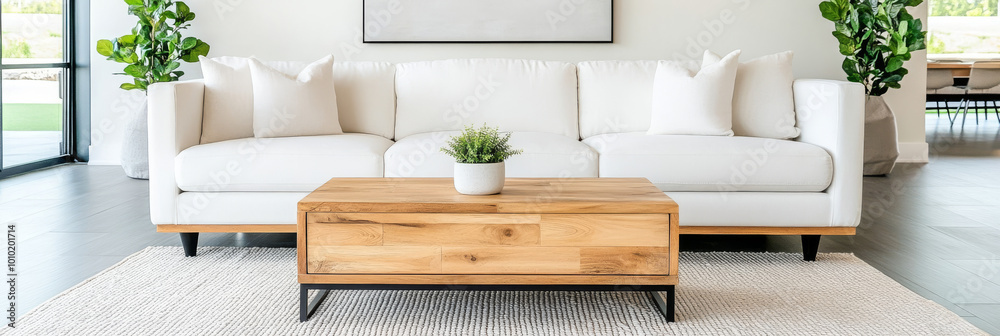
(960, 68)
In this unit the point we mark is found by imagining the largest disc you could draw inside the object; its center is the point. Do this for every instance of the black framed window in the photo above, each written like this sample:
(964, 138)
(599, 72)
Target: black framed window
(37, 114)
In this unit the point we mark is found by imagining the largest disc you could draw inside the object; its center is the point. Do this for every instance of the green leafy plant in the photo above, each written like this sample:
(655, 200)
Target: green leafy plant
(964, 8)
(935, 43)
(482, 145)
(155, 45)
(16, 48)
(877, 36)
(34, 7)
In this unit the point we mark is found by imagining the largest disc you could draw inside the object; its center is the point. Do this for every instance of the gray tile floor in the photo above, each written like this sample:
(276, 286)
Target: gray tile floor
(935, 228)
(20, 147)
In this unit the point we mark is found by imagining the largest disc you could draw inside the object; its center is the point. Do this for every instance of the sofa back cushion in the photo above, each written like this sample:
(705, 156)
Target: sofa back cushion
(514, 95)
(304, 104)
(617, 96)
(364, 90)
(228, 105)
(366, 97)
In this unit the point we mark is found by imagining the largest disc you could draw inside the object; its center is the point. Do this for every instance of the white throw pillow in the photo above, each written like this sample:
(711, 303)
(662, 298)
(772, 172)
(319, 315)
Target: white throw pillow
(285, 106)
(688, 103)
(763, 104)
(228, 112)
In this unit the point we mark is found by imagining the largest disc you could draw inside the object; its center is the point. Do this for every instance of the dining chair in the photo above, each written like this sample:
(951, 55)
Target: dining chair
(984, 76)
(938, 79)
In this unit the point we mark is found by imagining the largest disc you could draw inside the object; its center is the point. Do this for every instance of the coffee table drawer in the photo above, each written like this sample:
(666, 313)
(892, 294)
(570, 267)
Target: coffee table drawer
(488, 260)
(417, 243)
(409, 229)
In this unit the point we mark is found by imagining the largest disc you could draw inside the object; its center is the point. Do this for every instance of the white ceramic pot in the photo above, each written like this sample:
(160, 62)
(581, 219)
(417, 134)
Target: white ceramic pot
(479, 178)
(881, 148)
(135, 148)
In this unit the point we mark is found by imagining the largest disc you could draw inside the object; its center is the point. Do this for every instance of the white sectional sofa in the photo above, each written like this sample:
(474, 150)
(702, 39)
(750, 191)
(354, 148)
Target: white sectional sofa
(571, 120)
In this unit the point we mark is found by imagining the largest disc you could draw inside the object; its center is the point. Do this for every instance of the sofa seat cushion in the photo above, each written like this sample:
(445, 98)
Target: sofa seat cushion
(713, 163)
(292, 164)
(545, 155)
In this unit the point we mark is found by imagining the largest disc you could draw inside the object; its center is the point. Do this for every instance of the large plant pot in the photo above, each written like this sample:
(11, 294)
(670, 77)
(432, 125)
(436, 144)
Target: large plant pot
(135, 148)
(479, 178)
(881, 146)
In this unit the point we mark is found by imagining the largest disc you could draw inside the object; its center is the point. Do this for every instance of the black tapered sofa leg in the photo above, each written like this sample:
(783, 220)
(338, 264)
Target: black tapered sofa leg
(810, 245)
(190, 242)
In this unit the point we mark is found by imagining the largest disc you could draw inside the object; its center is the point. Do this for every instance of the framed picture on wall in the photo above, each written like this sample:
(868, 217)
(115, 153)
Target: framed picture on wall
(488, 21)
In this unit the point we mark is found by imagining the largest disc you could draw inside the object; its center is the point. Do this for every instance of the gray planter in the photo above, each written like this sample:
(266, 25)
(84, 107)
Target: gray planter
(881, 144)
(135, 148)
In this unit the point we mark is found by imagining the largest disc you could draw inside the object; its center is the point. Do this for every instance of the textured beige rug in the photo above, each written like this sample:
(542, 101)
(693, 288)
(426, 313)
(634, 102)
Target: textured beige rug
(253, 291)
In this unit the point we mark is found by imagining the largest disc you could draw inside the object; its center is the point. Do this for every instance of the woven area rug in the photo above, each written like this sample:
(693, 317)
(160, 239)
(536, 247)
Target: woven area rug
(253, 291)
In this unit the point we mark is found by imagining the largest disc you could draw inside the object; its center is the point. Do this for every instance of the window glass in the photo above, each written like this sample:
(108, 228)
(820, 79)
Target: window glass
(32, 31)
(32, 115)
(964, 28)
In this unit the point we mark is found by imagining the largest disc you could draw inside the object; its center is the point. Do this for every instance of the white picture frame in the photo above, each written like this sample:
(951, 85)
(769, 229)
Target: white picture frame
(488, 21)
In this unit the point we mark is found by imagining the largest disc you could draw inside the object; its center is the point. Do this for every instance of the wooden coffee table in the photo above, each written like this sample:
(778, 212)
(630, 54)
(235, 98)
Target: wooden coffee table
(590, 234)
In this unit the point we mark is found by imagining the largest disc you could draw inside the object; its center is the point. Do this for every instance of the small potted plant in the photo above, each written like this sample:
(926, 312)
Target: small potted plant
(479, 160)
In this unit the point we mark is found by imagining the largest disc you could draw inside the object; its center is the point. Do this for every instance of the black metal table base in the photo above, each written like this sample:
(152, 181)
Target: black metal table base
(665, 306)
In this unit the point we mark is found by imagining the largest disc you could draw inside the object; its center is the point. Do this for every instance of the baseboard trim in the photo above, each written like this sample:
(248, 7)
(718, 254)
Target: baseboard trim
(764, 230)
(103, 162)
(101, 158)
(913, 152)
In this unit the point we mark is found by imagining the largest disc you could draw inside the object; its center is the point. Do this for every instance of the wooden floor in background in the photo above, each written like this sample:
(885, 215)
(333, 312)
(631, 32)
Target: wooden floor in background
(935, 228)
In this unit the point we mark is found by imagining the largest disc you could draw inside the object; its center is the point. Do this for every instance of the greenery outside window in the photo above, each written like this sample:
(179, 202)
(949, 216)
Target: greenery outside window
(963, 29)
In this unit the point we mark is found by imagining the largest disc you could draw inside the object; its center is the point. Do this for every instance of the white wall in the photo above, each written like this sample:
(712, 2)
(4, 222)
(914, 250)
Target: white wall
(644, 29)
(909, 101)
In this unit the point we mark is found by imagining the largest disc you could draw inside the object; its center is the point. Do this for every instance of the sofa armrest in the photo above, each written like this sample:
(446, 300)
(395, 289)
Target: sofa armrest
(175, 115)
(831, 115)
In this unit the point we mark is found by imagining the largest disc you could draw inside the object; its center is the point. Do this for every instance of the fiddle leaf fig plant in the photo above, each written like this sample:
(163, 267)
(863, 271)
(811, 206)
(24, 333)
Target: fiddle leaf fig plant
(877, 36)
(155, 45)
